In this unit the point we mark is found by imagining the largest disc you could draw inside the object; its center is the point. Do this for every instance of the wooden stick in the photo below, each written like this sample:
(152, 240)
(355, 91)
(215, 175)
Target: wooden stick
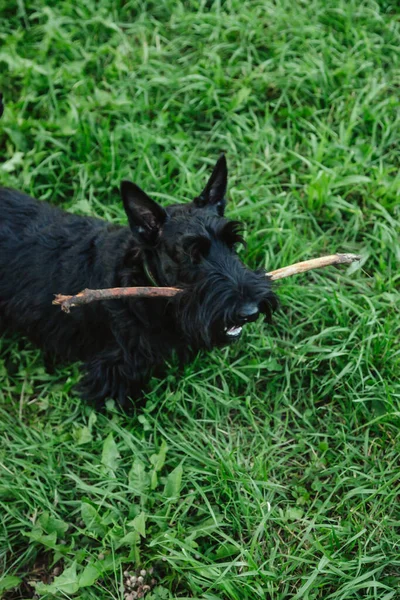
(314, 263)
(87, 296)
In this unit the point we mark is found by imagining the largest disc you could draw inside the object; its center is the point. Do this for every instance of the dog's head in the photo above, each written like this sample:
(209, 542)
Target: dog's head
(193, 246)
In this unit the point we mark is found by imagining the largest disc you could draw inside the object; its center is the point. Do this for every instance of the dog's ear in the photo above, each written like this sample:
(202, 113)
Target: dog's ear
(213, 195)
(145, 216)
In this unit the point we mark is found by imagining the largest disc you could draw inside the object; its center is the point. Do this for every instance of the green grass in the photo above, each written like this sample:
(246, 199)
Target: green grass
(269, 469)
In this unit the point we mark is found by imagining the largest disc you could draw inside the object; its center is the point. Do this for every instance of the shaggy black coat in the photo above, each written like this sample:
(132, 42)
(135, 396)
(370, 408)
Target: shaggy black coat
(45, 250)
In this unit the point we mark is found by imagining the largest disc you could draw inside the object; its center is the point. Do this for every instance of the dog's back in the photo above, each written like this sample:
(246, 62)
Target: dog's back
(22, 223)
(39, 250)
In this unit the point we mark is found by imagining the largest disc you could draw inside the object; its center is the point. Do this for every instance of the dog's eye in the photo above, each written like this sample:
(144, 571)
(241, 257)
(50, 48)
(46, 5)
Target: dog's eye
(197, 247)
(232, 234)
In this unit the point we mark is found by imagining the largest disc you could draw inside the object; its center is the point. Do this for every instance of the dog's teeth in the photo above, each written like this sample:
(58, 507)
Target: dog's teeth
(233, 331)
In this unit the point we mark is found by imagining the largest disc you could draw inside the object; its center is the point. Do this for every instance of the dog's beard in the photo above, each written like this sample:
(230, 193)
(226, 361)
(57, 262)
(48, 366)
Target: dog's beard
(208, 309)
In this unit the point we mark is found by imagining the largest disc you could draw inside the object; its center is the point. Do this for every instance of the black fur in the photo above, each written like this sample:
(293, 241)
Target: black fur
(44, 251)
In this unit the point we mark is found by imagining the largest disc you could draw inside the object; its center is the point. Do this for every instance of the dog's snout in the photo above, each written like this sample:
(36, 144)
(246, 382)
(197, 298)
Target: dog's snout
(249, 312)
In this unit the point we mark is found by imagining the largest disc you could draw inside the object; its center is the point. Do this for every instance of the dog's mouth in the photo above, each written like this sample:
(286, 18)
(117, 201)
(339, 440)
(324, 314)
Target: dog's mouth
(234, 332)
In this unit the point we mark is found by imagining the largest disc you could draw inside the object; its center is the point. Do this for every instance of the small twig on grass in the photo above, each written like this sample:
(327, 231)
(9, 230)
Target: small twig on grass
(87, 296)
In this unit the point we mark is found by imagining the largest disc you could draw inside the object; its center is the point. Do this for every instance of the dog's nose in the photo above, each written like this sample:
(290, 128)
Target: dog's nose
(249, 312)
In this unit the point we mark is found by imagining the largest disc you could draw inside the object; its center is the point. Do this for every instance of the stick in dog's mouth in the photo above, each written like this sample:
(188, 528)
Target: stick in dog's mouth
(87, 296)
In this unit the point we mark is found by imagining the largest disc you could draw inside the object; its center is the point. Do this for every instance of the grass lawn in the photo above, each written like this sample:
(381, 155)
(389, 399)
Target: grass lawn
(269, 470)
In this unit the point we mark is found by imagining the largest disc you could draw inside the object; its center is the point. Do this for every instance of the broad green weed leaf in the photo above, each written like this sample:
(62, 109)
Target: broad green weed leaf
(9, 582)
(82, 435)
(110, 455)
(161, 593)
(158, 460)
(294, 514)
(92, 519)
(174, 483)
(66, 583)
(146, 425)
(13, 163)
(139, 524)
(89, 576)
(139, 480)
(49, 541)
(154, 480)
(130, 539)
(50, 524)
(82, 207)
(92, 419)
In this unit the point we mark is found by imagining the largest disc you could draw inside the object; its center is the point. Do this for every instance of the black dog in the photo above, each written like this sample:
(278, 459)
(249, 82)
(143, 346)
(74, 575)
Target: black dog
(44, 250)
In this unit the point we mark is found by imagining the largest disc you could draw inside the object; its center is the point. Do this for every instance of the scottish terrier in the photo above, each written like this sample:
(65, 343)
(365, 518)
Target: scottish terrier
(45, 250)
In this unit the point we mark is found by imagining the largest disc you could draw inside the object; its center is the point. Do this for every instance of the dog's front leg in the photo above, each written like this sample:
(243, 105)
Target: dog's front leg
(107, 377)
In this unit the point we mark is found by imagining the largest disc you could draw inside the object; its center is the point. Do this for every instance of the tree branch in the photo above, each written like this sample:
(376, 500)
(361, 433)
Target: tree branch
(87, 296)
(314, 263)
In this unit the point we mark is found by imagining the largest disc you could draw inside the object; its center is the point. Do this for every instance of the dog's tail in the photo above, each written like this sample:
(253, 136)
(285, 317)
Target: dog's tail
(1, 104)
